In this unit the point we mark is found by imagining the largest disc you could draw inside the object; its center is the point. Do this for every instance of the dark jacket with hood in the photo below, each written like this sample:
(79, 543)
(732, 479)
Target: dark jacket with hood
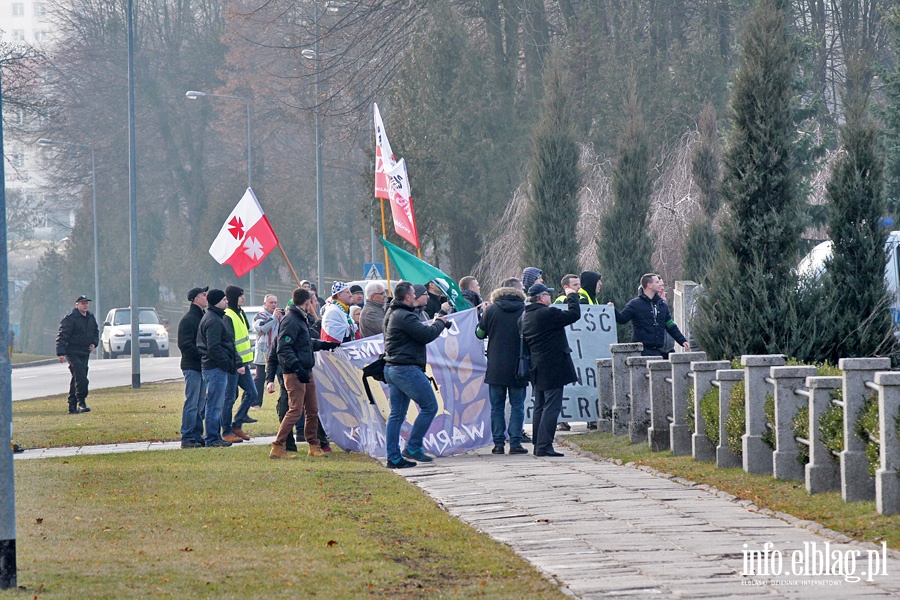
(187, 339)
(215, 342)
(405, 335)
(650, 320)
(76, 334)
(295, 345)
(499, 324)
(545, 334)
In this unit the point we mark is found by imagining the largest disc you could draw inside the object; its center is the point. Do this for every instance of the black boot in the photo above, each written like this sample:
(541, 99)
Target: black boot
(82, 407)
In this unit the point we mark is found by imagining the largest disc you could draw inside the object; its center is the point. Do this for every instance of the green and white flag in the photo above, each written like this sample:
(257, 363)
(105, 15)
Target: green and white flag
(414, 270)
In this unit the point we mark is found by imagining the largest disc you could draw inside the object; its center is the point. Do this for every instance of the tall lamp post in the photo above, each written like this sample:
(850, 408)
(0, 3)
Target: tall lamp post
(193, 95)
(313, 54)
(46, 142)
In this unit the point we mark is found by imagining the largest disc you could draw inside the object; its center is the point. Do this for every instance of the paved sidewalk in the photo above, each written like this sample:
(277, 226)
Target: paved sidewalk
(604, 530)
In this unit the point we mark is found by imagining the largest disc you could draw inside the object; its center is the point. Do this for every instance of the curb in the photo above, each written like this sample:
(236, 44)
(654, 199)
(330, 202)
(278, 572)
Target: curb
(812, 526)
(36, 363)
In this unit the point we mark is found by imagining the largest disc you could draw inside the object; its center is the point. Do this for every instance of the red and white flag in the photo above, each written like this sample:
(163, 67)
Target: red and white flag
(384, 159)
(246, 237)
(401, 203)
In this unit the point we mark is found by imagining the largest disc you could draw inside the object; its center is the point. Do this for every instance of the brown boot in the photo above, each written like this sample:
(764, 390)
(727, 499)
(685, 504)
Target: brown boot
(240, 433)
(316, 451)
(232, 438)
(278, 451)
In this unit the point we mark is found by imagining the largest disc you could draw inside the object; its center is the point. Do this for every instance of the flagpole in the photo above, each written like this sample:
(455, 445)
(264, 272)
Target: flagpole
(387, 264)
(290, 266)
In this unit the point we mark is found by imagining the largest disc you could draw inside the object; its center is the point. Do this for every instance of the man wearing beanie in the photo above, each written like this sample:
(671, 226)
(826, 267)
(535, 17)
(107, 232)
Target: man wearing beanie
(295, 350)
(192, 369)
(215, 342)
(531, 276)
(232, 430)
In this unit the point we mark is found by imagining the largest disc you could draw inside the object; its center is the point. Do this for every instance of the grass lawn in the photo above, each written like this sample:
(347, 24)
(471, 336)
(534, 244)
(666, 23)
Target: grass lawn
(117, 415)
(858, 520)
(230, 523)
(19, 358)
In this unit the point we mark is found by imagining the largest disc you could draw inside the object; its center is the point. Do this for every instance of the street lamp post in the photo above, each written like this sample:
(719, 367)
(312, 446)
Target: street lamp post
(320, 206)
(46, 142)
(193, 95)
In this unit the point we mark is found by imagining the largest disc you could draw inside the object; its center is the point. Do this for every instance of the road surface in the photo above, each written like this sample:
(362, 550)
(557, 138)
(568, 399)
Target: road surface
(50, 380)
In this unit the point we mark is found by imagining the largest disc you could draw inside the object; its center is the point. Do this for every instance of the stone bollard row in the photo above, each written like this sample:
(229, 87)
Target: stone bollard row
(823, 474)
(660, 404)
(604, 393)
(639, 397)
(679, 431)
(856, 485)
(727, 379)
(704, 372)
(887, 478)
(757, 455)
(621, 383)
(790, 394)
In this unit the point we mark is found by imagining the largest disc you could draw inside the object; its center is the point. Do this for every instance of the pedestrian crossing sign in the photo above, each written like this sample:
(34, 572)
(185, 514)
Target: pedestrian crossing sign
(373, 270)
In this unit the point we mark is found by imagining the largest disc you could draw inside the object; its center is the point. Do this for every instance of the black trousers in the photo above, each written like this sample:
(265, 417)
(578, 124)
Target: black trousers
(547, 404)
(78, 386)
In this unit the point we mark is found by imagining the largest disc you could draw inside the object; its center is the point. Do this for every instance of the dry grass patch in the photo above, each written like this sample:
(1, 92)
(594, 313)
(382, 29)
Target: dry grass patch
(18, 358)
(858, 520)
(230, 523)
(118, 415)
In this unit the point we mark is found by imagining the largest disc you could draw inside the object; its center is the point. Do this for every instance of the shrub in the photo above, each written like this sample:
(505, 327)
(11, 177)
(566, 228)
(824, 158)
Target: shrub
(736, 423)
(867, 428)
(709, 408)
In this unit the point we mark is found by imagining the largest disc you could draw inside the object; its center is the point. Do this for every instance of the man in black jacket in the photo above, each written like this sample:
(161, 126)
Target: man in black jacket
(218, 358)
(551, 362)
(500, 325)
(295, 356)
(78, 336)
(405, 338)
(650, 318)
(191, 368)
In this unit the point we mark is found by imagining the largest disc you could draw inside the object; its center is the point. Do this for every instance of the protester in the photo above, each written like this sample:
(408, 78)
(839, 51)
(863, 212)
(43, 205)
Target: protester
(354, 314)
(78, 336)
(531, 276)
(337, 326)
(471, 291)
(436, 299)
(552, 368)
(215, 342)
(273, 372)
(356, 295)
(243, 378)
(500, 325)
(650, 318)
(371, 319)
(265, 324)
(315, 334)
(405, 338)
(571, 284)
(192, 369)
(295, 355)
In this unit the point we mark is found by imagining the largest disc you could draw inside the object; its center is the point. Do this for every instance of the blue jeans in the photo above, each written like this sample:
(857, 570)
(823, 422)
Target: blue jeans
(498, 414)
(194, 397)
(246, 383)
(215, 381)
(408, 382)
(547, 404)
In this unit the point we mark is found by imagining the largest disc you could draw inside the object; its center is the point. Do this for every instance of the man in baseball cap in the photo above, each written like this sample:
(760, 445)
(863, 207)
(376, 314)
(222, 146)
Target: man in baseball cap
(192, 369)
(78, 336)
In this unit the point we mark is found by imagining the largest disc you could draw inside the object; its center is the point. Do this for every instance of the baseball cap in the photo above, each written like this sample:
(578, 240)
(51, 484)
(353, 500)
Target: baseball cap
(196, 292)
(420, 290)
(82, 298)
(538, 289)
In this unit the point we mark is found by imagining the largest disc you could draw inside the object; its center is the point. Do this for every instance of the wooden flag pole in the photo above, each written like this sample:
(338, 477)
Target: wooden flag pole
(387, 264)
(290, 266)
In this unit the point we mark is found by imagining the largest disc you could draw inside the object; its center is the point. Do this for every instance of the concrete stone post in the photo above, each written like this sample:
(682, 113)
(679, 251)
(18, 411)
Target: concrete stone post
(757, 456)
(727, 379)
(660, 404)
(621, 408)
(682, 306)
(822, 471)
(887, 482)
(679, 430)
(785, 460)
(639, 397)
(856, 485)
(604, 393)
(704, 372)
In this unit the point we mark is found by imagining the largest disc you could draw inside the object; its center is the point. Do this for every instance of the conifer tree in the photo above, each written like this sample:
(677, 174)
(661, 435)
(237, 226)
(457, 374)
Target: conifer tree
(890, 116)
(624, 246)
(751, 288)
(855, 272)
(702, 243)
(550, 241)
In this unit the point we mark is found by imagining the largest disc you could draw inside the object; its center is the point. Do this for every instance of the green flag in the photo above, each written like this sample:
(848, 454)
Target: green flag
(415, 270)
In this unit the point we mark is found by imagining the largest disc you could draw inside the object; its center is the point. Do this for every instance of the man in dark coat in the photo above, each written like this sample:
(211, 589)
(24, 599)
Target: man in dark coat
(192, 369)
(650, 318)
(551, 364)
(78, 336)
(471, 291)
(500, 325)
(218, 359)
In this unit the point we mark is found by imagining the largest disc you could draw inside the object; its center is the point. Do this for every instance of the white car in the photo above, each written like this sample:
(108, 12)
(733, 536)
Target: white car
(116, 337)
(251, 312)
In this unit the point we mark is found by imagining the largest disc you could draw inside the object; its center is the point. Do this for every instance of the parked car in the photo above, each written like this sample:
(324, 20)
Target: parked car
(251, 312)
(116, 337)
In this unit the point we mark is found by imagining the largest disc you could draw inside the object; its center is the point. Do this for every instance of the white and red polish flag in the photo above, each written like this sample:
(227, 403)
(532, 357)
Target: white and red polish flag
(401, 203)
(246, 237)
(384, 159)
